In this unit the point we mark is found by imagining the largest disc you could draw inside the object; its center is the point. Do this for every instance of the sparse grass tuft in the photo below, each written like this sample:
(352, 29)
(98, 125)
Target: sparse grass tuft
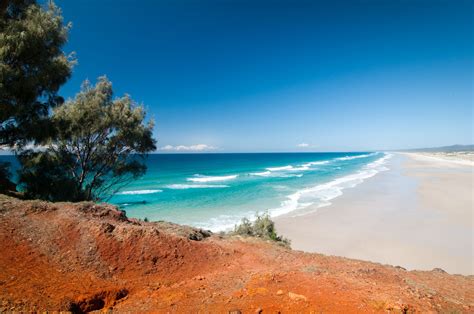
(263, 227)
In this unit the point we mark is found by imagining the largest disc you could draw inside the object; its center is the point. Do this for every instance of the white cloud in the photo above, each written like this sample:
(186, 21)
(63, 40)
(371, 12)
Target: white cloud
(303, 145)
(191, 148)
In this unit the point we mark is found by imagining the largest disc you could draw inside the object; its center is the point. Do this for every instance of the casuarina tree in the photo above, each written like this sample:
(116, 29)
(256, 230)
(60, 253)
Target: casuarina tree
(33, 66)
(100, 144)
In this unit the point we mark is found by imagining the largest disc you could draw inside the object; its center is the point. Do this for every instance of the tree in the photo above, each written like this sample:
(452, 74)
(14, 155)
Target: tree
(100, 145)
(32, 68)
(6, 186)
(43, 177)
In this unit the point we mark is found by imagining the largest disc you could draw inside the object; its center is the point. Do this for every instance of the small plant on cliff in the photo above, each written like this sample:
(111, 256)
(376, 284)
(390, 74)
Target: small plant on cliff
(263, 227)
(100, 144)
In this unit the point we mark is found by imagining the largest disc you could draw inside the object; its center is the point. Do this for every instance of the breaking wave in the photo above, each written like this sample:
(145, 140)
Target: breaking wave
(202, 178)
(195, 186)
(321, 194)
(356, 156)
(139, 192)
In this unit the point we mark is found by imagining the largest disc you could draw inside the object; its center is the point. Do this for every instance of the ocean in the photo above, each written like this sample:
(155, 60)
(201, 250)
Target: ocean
(215, 191)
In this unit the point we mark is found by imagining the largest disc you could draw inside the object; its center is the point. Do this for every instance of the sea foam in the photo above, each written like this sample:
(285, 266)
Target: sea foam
(261, 174)
(276, 174)
(280, 168)
(315, 163)
(319, 195)
(323, 193)
(292, 194)
(224, 222)
(356, 157)
(202, 178)
(195, 186)
(285, 171)
(304, 167)
(139, 192)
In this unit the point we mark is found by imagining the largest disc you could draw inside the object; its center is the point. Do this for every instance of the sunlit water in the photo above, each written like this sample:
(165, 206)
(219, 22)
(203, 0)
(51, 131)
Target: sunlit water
(215, 191)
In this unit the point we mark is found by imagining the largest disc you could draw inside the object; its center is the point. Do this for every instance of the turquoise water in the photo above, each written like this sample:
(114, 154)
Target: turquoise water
(215, 191)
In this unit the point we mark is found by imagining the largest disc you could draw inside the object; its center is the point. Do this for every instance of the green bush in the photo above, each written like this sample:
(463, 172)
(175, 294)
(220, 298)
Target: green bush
(263, 227)
(6, 185)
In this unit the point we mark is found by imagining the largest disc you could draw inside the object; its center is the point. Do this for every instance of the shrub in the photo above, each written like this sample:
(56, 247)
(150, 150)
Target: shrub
(6, 185)
(263, 227)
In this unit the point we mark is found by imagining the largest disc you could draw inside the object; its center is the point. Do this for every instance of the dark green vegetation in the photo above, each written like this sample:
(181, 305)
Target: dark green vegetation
(263, 227)
(84, 149)
(100, 144)
(32, 68)
(5, 175)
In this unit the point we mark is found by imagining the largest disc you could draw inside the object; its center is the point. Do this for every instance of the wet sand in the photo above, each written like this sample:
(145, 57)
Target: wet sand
(418, 215)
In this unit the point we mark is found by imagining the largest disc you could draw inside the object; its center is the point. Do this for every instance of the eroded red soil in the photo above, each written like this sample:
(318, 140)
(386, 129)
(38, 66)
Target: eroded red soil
(86, 257)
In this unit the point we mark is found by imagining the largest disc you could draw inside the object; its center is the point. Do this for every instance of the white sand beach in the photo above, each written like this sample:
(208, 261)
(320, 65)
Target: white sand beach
(418, 214)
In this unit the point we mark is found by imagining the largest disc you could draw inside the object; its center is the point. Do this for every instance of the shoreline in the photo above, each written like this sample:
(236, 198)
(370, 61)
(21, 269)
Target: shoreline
(417, 215)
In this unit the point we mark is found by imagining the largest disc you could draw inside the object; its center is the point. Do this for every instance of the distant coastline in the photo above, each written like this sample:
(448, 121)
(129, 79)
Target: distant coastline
(458, 157)
(441, 149)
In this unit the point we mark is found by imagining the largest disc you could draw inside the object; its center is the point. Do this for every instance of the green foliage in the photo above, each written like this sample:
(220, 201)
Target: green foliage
(100, 145)
(263, 227)
(32, 68)
(245, 228)
(6, 185)
(94, 144)
(43, 177)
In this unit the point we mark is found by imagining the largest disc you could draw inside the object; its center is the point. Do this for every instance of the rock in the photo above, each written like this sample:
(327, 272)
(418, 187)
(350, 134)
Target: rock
(198, 235)
(107, 228)
(235, 312)
(259, 310)
(296, 297)
(439, 270)
(280, 292)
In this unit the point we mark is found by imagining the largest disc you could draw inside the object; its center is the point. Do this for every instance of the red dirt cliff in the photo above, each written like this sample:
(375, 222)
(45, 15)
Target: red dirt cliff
(87, 257)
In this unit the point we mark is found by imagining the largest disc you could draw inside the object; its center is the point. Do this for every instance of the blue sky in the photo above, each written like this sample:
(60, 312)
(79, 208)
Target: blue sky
(251, 76)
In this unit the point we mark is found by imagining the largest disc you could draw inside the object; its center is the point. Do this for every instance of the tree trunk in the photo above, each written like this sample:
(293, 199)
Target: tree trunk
(3, 7)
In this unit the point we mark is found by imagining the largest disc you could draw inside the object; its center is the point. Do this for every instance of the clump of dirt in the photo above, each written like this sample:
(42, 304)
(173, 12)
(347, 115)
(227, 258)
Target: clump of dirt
(88, 257)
